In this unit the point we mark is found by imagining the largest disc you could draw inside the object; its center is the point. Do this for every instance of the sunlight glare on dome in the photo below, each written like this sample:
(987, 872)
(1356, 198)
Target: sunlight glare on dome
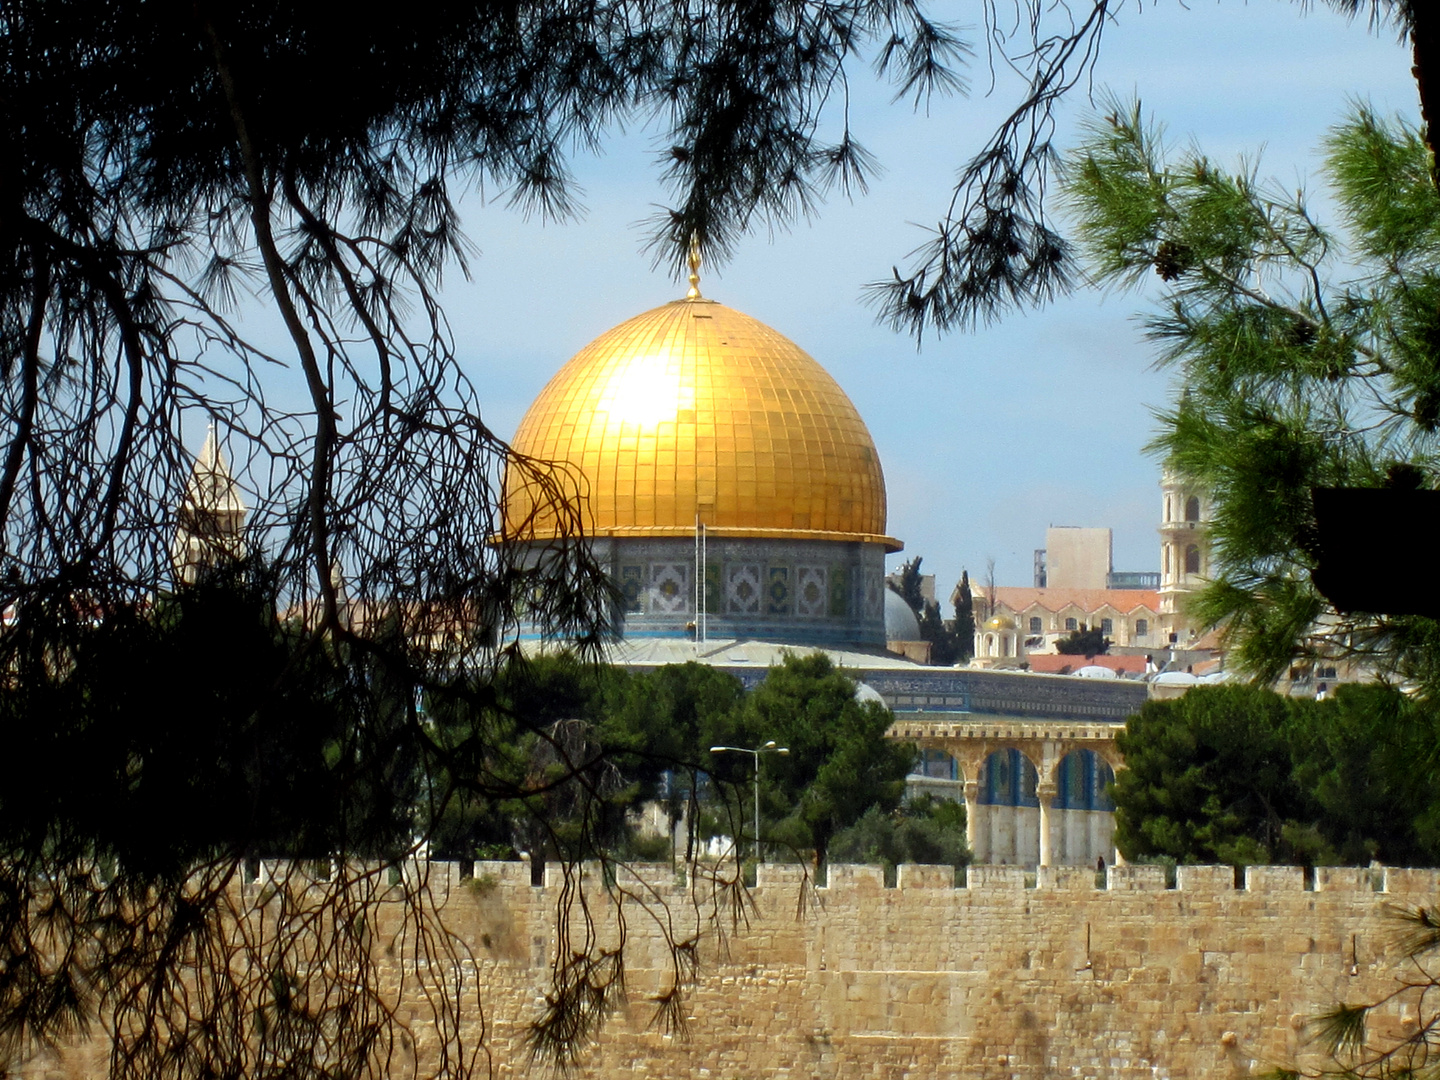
(645, 391)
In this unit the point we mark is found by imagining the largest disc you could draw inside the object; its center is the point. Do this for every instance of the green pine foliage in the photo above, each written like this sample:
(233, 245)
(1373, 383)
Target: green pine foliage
(1309, 357)
(1242, 775)
(964, 619)
(1083, 641)
(840, 762)
(948, 643)
(926, 830)
(564, 752)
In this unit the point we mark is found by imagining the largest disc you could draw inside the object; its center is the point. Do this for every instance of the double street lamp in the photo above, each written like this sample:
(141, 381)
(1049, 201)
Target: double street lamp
(768, 748)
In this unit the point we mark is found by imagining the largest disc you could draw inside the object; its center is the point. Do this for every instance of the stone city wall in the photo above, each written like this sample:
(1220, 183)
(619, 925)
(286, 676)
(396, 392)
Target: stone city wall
(1012, 976)
(996, 979)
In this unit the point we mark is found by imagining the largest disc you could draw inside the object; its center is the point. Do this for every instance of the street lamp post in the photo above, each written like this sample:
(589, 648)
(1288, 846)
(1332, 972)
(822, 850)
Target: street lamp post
(768, 748)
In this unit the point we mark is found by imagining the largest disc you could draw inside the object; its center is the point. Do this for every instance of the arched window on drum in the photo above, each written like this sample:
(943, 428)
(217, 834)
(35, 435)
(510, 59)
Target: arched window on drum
(1081, 782)
(1008, 779)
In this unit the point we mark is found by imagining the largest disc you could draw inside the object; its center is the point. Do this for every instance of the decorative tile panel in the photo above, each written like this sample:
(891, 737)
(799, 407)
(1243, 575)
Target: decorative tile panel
(743, 589)
(777, 591)
(632, 587)
(670, 588)
(810, 594)
(713, 605)
(839, 592)
(874, 595)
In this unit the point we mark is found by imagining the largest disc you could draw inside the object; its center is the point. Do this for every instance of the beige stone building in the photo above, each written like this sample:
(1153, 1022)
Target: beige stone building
(1076, 558)
(1184, 554)
(1076, 587)
(1041, 617)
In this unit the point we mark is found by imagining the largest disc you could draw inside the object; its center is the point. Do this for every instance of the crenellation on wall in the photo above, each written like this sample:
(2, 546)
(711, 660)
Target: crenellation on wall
(661, 878)
(509, 874)
(860, 877)
(779, 875)
(915, 876)
(1205, 879)
(1405, 882)
(1274, 879)
(995, 878)
(1347, 878)
(656, 879)
(1064, 877)
(1134, 878)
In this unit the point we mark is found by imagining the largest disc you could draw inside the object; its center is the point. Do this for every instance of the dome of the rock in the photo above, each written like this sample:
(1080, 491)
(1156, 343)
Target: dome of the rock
(694, 410)
(693, 435)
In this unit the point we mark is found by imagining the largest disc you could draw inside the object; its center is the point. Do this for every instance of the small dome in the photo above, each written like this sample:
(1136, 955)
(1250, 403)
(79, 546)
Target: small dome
(865, 693)
(900, 621)
(1000, 622)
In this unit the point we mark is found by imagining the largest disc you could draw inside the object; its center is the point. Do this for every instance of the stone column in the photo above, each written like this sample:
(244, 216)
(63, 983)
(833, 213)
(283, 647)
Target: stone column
(972, 807)
(1046, 794)
(1116, 764)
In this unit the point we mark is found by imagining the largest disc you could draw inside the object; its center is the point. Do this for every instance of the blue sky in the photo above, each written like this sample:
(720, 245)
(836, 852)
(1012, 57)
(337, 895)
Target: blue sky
(986, 437)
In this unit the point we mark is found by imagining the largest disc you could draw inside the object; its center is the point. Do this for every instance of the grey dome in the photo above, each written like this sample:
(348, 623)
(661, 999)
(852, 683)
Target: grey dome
(900, 621)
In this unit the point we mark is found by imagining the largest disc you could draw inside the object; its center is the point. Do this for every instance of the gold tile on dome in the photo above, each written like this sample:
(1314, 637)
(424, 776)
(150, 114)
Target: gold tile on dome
(668, 407)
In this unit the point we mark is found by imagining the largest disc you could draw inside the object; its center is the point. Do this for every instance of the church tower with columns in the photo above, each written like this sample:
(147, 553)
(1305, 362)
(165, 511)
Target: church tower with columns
(1184, 552)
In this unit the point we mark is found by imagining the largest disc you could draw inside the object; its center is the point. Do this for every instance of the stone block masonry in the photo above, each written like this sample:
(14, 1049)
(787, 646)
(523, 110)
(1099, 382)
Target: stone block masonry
(1001, 979)
(1012, 976)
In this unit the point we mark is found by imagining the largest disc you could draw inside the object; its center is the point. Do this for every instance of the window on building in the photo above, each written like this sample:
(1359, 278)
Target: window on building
(1142, 627)
(1167, 559)
(1192, 559)
(1192, 509)
(1107, 626)
(1069, 624)
(1035, 625)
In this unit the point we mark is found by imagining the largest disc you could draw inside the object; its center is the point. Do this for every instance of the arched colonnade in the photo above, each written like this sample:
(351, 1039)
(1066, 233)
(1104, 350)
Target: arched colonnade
(1034, 791)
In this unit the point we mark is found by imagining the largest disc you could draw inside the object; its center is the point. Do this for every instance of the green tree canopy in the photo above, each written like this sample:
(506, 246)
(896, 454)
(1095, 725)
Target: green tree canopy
(964, 618)
(663, 729)
(946, 646)
(1242, 775)
(1208, 778)
(840, 762)
(1308, 359)
(1083, 641)
(925, 830)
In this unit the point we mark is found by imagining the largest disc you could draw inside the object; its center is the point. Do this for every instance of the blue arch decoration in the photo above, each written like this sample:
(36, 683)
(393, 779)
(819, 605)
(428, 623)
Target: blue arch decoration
(1080, 782)
(1008, 779)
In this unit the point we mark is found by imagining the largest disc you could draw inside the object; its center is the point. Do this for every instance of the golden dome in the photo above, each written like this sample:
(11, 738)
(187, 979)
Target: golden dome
(1000, 622)
(695, 408)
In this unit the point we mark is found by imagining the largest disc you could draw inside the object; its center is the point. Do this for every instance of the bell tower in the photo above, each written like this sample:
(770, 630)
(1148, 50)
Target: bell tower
(1184, 551)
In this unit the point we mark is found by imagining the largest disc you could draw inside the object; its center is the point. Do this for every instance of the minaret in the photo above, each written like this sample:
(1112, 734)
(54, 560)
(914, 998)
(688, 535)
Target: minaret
(1184, 551)
(211, 516)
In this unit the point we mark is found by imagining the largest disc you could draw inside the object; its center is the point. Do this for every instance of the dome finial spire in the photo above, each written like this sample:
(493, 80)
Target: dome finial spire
(694, 293)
